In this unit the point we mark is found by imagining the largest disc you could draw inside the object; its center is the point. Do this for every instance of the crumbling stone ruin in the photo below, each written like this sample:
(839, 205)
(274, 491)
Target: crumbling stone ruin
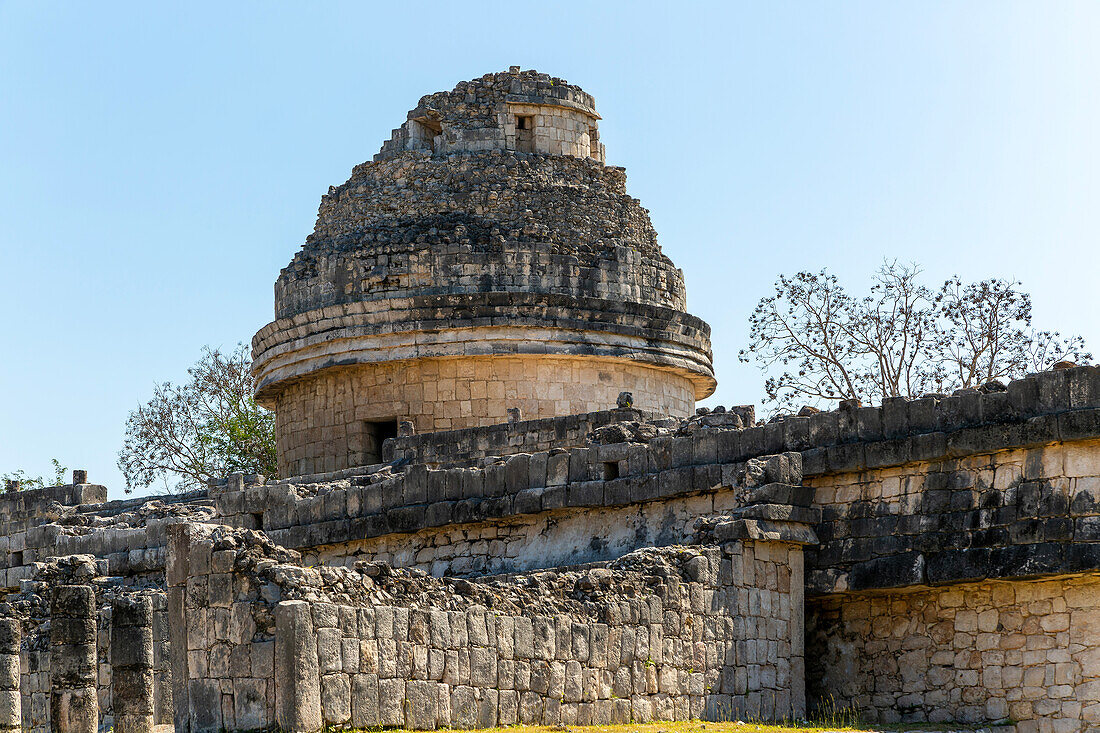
(486, 259)
(500, 506)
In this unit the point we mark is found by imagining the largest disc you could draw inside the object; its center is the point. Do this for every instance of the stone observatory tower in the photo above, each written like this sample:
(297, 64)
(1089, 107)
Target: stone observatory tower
(486, 259)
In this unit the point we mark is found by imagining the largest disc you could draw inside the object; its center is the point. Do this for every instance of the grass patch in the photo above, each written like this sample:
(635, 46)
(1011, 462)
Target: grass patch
(700, 726)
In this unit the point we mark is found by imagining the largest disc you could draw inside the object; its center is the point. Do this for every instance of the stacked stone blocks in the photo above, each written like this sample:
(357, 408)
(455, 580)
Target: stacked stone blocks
(721, 637)
(11, 711)
(486, 260)
(74, 700)
(971, 653)
(132, 664)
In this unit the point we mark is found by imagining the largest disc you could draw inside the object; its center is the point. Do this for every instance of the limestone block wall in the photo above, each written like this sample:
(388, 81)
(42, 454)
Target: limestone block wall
(520, 512)
(972, 652)
(660, 634)
(1016, 512)
(468, 446)
(709, 649)
(221, 643)
(36, 680)
(323, 420)
(992, 499)
(22, 512)
(556, 131)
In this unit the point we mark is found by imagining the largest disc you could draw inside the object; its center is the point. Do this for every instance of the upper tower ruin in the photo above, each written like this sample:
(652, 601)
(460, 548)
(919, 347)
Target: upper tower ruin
(486, 259)
(523, 111)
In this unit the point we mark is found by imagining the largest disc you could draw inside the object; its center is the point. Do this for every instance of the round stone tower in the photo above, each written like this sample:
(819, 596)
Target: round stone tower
(486, 259)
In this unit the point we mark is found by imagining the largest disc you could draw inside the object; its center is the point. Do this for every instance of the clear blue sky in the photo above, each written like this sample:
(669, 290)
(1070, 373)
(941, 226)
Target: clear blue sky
(160, 162)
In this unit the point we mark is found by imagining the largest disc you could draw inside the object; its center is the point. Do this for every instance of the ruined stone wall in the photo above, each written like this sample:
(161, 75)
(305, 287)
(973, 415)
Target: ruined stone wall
(322, 421)
(976, 494)
(519, 512)
(480, 115)
(70, 535)
(971, 652)
(44, 665)
(129, 535)
(1013, 513)
(468, 446)
(659, 634)
(991, 499)
(24, 511)
(502, 222)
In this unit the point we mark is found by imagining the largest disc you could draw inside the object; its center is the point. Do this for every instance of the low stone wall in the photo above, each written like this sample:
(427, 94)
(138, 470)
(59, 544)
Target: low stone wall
(658, 634)
(76, 519)
(70, 648)
(452, 448)
(522, 512)
(974, 653)
(550, 539)
(24, 511)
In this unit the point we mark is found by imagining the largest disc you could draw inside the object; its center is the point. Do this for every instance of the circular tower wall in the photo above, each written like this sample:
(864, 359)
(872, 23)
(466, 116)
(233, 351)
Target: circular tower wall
(458, 275)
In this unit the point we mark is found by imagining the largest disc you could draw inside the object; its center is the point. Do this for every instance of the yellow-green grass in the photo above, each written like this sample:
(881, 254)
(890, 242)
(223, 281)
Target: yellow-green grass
(699, 726)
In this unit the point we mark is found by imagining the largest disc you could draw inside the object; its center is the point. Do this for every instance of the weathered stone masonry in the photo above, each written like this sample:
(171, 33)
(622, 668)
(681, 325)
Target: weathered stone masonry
(980, 495)
(498, 508)
(658, 634)
(463, 273)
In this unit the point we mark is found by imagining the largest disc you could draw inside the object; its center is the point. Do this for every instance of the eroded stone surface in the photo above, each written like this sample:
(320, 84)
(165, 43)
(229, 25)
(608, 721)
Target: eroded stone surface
(498, 505)
(486, 260)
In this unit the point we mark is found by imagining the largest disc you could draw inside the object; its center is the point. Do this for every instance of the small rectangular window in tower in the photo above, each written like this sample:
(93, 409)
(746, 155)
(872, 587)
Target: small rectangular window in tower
(426, 134)
(525, 133)
(375, 433)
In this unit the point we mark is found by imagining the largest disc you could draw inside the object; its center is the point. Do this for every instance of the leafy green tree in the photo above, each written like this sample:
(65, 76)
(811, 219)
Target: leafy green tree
(207, 428)
(19, 480)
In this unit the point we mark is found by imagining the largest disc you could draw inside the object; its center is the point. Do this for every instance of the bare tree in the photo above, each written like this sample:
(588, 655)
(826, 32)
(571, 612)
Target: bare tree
(987, 334)
(804, 330)
(1046, 348)
(206, 428)
(817, 343)
(894, 327)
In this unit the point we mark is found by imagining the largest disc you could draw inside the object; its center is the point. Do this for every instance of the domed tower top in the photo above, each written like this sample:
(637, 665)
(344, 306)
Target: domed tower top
(486, 259)
(516, 110)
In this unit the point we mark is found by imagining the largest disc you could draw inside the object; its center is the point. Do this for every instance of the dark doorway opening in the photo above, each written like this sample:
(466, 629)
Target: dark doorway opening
(525, 133)
(375, 433)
